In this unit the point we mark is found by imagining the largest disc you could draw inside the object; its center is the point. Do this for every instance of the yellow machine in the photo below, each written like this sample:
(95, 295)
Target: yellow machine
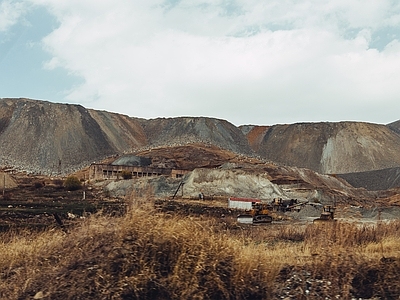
(328, 214)
(257, 215)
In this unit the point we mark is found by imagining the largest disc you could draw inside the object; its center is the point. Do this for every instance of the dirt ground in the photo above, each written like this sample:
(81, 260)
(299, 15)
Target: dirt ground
(37, 201)
(40, 203)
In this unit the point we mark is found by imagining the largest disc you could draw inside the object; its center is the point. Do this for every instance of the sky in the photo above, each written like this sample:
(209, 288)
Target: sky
(260, 62)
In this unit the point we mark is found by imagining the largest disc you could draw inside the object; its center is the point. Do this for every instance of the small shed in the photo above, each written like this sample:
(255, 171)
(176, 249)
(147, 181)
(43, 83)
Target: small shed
(242, 203)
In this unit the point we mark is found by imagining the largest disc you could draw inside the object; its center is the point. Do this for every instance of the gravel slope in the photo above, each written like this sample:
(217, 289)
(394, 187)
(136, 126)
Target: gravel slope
(329, 148)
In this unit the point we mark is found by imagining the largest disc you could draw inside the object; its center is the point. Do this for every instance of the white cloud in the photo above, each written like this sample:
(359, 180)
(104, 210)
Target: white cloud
(299, 62)
(10, 12)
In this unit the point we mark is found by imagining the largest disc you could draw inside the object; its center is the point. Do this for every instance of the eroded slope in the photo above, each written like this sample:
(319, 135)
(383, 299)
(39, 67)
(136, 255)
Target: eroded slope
(37, 136)
(328, 148)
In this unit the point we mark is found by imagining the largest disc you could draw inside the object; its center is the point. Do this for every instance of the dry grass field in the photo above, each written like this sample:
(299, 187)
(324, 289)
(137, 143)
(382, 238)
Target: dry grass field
(146, 254)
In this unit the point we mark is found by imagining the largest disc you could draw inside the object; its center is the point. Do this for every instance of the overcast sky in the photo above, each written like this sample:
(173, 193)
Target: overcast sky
(247, 61)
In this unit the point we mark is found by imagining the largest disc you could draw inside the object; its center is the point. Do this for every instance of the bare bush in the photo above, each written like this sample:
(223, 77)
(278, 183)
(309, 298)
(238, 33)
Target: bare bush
(72, 183)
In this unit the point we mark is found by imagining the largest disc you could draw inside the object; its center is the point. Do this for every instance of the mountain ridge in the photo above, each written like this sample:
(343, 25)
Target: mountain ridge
(77, 136)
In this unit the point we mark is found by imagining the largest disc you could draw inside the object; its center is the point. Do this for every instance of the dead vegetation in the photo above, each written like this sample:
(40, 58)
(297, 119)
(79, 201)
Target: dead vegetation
(154, 255)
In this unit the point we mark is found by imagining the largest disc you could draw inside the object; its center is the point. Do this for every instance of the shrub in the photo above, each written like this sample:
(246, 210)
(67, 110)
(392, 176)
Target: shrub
(148, 255)
(38, 184)
(126, 174)
(72, 183)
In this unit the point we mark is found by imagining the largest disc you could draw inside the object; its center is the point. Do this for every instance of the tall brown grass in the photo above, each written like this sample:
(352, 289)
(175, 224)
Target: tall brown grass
(149, 255)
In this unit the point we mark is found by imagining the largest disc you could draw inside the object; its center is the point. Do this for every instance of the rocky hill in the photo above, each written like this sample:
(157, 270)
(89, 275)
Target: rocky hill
(328, 148)
(188, 130)
(44, 137)
(39, 136)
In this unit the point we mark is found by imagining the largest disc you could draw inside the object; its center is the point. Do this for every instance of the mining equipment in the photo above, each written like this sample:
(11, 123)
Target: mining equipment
(259, 214)
(327, 215)
(284, 205)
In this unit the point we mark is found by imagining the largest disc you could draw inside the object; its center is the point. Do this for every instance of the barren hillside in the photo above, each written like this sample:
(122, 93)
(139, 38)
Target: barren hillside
(328, 148)
(255, 135)
(189, 157)
(45, 137)
(37, 135)
(187, 130)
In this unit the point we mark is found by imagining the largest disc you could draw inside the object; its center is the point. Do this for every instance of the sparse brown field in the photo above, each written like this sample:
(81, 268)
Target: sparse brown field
(150, 255)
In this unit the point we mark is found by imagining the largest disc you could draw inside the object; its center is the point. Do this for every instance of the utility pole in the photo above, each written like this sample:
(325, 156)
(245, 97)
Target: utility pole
(59, 167)
(4, 183)
(84, 187)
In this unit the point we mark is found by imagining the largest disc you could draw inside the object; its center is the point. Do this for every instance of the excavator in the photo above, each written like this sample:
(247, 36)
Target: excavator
(259, 214)
(327, 215)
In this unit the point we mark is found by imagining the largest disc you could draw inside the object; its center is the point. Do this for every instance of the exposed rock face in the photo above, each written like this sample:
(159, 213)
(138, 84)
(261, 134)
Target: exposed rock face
(237, 183)
(329, 147)
(255, 135)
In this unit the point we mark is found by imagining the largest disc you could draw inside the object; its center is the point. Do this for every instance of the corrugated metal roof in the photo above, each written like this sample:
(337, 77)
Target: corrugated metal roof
(132, 160)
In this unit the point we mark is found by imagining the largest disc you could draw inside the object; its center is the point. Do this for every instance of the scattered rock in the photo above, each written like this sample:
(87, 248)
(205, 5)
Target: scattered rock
(39, 295)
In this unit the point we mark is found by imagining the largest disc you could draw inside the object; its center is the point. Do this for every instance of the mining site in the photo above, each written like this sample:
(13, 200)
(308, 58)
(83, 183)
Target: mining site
(106, 206)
